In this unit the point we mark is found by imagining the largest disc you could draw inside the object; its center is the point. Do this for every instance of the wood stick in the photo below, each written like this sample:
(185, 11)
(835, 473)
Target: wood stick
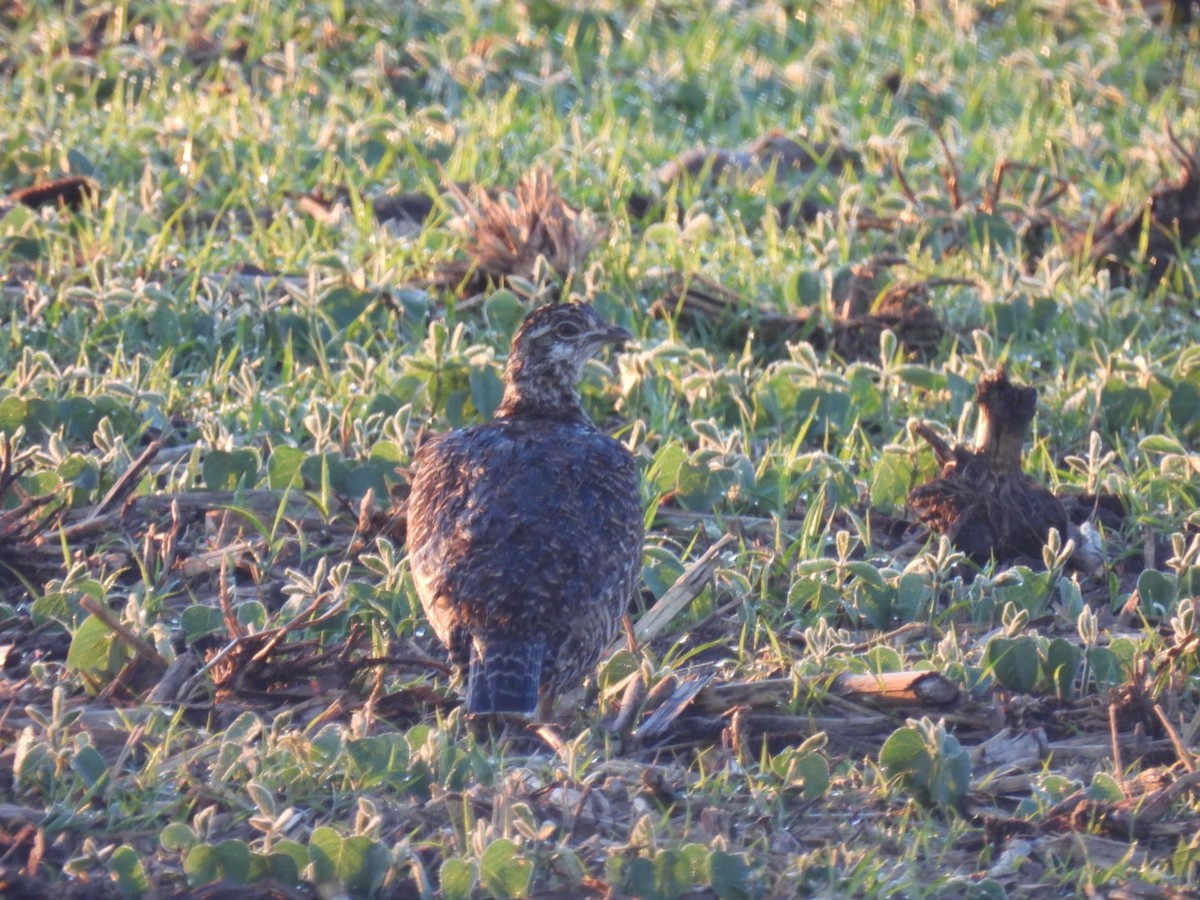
(128, 479)
(1185, 755)
(685, 589)
(660, 720)
(922, 689)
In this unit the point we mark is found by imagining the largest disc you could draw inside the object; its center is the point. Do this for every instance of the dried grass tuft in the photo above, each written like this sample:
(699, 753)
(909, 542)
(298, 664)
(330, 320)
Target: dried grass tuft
(511, 232)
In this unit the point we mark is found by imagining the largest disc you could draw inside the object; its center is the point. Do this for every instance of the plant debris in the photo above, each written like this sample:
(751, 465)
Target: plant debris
(865, 306)
(697, 301)
(529, 234)
(1153, 234)
(71, 191)
(775, 151)
(982, 500)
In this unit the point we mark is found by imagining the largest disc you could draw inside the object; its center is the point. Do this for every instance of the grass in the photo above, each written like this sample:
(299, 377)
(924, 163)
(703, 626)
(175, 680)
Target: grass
(321, 746)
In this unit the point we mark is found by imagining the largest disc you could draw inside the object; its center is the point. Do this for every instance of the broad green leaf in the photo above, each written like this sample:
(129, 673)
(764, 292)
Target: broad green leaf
(225, 470)
(503, 872)
(357, 863)
(729, 875)
(672, 873)
(1157, 590)
(1160, 443)
(814, 769)
(486, 389)
(640, 879)
(1105, 665)
(1063, 660)
(380, 758)
(177, 836)
(89, 765)
(198, 621)
(12, 414)
(125, 866)
(226, 861)
(1014, 662)
(96, 651)
(344, 305)
(951, 774)
(504, 311)
(906, 753)
(458, 877)
(283, 468)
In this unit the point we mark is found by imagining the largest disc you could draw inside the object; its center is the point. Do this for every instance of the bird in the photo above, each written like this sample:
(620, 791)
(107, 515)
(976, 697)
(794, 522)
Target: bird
(525, 533)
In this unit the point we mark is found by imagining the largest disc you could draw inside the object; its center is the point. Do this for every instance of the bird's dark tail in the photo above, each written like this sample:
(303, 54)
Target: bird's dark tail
(505, 674)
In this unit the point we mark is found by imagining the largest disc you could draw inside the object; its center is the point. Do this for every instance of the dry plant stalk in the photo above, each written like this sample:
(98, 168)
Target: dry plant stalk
(509, 233)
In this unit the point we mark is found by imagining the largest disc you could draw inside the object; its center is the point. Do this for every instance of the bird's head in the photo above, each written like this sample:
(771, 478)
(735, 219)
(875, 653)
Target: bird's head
(547, 358)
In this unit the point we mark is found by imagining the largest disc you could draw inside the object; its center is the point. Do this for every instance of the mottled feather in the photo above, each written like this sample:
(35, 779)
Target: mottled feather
(525, 533)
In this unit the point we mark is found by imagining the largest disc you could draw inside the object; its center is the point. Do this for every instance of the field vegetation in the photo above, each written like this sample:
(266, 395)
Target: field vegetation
(911, 283)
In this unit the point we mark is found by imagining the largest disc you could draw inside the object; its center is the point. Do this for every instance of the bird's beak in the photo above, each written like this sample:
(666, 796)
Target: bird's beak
(617, 335)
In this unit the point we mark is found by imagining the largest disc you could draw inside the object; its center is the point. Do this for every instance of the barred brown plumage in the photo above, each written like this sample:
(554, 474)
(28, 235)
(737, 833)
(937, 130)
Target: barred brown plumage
(525, 533)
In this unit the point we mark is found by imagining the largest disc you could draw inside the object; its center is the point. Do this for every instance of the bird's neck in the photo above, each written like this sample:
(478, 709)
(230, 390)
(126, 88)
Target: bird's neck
(540, 393)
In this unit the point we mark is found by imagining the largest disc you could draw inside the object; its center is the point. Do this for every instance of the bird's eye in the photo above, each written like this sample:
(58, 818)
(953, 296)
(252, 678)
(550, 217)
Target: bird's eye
(567, 330)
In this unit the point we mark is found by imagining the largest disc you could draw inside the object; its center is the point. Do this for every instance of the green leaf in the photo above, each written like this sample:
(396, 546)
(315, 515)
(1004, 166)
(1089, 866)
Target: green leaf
(226, 861)
(12, 414)
(380, 758)
(125, 866)
(1157, 590)
(252, 613)
(367, 476)
(922, 377)
(729, 875)
(198, 621)
(59, 607)
(806, 289)
(1106, 666)
(639, 879)
(225, 470)
(1063, 659)
(458, 878)
(177, 836)
(813, 594)
(1160, 443)
(1014, 662)
(283, 468)
(503, 311)
(321, 466)
(79, 164)
(814, 769)
(951, 774)
(905, 753)
(344, 305)
(1125, 405)
(503, 872)
(96, 651)
(892, 477)
(1105, 788)
(928, 761)
(357, 863)
(672, 873)
(486, 389)
(245, 729)
(89, 765)
(294, 850)
(1184, 407)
